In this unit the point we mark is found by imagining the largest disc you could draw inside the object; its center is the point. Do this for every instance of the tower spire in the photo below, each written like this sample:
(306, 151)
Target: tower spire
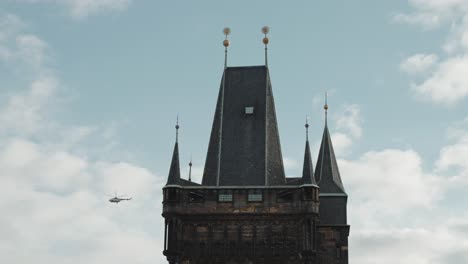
(265, 31)
(226, 32)
(308, 169)
(177, 129)
(327, 174)
(174, 171)
(325, 107)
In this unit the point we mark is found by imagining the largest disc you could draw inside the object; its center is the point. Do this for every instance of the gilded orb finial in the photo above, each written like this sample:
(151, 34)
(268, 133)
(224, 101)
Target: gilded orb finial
(265, 30)
(226, 32)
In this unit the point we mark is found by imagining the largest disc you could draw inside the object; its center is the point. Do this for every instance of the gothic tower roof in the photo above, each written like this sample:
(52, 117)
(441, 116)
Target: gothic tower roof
(174, 171)
(308, 170)
(327, 174)
(244, 147)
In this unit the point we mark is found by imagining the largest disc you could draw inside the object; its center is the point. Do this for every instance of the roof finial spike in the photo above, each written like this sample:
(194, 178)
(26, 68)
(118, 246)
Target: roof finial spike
(326, 107)
(226, 32)
(307, 127)
(265, 31)
(190, 169)
(177, 129)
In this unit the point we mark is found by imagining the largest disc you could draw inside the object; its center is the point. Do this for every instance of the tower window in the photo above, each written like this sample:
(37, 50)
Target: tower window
(255, 197)
(225, 198)
(249, 110)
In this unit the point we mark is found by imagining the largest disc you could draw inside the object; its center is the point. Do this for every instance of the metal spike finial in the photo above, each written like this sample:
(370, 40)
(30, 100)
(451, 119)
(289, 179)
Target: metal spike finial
(307, 127)
(226, 32)
(325, 106)
(265, 31)
(190, 169)
(177, 128)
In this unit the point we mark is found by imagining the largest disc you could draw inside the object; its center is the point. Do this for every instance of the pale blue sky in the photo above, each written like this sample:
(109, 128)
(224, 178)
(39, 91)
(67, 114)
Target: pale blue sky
(126, 68)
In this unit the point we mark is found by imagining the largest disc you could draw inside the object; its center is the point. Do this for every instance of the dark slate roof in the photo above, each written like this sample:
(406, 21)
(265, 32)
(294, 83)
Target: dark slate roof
(327, 174)
(185, 182)
(294, 181)
(308, 170)
(244, 149)
(174, 171)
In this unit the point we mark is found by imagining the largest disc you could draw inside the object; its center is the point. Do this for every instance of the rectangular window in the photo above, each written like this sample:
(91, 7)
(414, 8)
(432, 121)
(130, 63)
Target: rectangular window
(225, 198)
(255, 197)
(249, 110)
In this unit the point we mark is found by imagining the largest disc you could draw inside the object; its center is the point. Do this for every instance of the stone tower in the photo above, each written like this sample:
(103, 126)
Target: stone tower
(245, 210)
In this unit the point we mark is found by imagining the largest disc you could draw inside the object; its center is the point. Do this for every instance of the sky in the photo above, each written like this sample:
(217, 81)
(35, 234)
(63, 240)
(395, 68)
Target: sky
(90, 92)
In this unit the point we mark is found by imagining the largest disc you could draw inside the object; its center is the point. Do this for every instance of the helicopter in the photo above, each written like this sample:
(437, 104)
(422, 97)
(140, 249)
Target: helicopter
(116, 199)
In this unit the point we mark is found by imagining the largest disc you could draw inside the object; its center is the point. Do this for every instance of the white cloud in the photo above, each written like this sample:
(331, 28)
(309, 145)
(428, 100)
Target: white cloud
(83, 8)
(54, 204)
(437, 244)
(341, 143)
(392, 201)
(418, 63)
(427, 20)
(23, 112)
(455, 156)
(447, 83)
(349, 120)
(378, 177)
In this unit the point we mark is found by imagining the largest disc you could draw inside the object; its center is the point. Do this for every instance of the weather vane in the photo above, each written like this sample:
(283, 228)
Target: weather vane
(265, 31)
(226, 32)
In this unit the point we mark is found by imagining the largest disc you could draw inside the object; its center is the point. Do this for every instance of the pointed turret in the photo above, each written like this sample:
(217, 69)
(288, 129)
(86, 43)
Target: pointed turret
(308, 170)
(327, 174)
(174, 171)
(333, 198)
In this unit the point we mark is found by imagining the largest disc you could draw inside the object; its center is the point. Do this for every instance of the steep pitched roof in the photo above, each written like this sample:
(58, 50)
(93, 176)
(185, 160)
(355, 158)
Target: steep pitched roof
(308, 170)
(327, 174)
(244, 146)
(174, 171)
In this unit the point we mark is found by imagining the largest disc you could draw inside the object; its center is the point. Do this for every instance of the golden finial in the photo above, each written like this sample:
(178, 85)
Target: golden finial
(226, 32)
(265, 30)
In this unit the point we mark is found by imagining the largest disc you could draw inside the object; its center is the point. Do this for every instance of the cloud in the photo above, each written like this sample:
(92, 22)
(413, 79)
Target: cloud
(392, 200)
(446, 83)
(427, 20)
(417, 245)
(378, 176)
(23, 112)
(455, 156)
(79, 9)
(54, 204)
(418, 63)
(349, 120)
